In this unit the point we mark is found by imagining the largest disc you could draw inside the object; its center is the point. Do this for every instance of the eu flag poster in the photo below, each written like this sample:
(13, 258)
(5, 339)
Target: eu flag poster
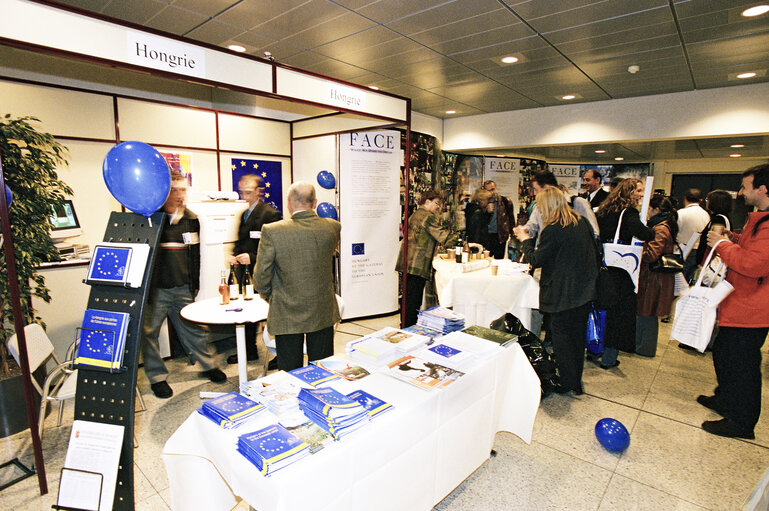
(271, 173)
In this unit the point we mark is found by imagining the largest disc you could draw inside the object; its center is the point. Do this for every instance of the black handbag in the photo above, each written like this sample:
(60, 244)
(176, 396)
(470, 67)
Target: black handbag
(668, 263)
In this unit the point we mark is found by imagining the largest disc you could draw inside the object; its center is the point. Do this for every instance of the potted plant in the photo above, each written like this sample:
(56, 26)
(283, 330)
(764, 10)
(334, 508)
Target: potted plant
(30, 159)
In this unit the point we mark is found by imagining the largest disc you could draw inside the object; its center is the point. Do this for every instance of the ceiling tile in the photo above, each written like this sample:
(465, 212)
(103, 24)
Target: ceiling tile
(443, 14)
(384, 11)
(214, 32)
(329, 31)
(89, 5)
(489, 28)
(250, 13)
(135, 11)
(625, 12)
(176, 21)
(204, 7)
(367, 45)
(304, 17)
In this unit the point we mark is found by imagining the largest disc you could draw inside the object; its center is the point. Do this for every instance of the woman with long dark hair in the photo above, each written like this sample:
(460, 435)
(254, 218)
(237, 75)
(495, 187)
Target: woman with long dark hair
(718, 203)
(567, 255)
(655, 289)
(621, 308)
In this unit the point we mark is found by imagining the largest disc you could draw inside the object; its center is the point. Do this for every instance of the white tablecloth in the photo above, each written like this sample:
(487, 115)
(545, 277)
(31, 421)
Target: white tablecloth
(483, 297)
(407, 459)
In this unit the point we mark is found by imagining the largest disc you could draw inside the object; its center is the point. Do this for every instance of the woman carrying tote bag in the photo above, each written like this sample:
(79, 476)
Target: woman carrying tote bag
(655, 289)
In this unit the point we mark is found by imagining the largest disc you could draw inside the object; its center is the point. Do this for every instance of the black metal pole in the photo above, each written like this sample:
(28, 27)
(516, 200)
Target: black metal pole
(18, 324)
(405, 228)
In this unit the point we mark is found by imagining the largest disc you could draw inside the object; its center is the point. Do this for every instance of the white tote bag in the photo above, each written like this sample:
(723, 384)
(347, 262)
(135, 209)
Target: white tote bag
(695, 314)
(626, 257)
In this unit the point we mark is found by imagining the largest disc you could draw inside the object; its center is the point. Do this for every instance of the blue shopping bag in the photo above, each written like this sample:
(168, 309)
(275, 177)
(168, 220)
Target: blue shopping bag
(596, 327)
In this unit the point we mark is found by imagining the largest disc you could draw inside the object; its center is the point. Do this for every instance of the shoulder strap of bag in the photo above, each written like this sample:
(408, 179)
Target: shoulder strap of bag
(726, 219)
(619, 224)
(706, 263)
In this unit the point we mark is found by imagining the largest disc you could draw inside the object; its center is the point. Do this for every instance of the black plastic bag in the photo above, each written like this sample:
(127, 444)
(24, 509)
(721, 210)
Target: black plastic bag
(538, 356)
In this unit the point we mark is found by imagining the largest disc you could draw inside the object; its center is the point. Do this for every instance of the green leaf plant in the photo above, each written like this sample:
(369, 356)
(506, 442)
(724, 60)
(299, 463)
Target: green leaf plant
(30, 160)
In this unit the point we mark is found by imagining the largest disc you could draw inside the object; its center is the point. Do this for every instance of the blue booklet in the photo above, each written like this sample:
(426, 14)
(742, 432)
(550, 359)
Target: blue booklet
(329, 402)
(373, 405)
(230, 410)
(314, 375)
(272, 448)
(102, 338)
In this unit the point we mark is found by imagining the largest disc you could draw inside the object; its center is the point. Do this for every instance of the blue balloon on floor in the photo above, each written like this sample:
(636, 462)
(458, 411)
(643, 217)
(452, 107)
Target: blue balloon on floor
(326, 179)
(8, 196)
(612, 434)
(137, 175)
(327, 210)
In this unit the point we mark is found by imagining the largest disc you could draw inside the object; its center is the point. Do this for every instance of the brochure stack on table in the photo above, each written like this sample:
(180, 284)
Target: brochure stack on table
(333, 411)
(386, 344)
(230, 410)
(272, 448)
(441, 319)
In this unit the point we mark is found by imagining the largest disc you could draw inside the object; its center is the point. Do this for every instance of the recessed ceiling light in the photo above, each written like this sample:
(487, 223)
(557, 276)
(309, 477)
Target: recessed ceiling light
(236, 47)
(756, 11)
(568, 97)
(373, 87)
(451, 111)
(737, 145)
(746, 75)
(735, 155)
(510, 60)
(600, 151)
(619, 158)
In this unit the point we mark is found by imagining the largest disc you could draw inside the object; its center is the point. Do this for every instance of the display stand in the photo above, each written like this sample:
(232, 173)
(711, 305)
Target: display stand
(108, 396)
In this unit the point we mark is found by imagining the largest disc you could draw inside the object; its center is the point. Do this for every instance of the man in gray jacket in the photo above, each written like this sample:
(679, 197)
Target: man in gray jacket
(294, 273)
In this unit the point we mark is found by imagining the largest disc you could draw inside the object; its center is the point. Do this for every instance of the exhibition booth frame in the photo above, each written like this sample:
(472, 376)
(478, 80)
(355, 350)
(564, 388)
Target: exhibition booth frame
(242, 106)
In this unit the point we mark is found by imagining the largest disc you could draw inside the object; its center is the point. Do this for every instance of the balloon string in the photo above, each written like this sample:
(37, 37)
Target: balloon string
(150, 221)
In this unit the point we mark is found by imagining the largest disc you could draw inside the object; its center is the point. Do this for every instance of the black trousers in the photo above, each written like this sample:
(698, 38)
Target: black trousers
(737, 361)
(568, 329)
(415, 287)
(290, 347)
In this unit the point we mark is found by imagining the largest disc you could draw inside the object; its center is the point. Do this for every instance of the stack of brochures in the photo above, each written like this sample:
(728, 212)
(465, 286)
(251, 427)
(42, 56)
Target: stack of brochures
(102, 339)
(314, 376)
(422, 373)
(230, 410)
(342, 367)
(427, 332)
(501, 338)
(272, 448)
(333, 411)
(277, 391)
(373, 405)
(307, 431)
(442, 319)
(385, 344)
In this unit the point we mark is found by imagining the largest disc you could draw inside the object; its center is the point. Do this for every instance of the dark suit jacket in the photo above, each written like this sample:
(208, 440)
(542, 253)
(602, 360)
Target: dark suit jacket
(262, 214)
(294, 273)
(569, 262)
(599, 197)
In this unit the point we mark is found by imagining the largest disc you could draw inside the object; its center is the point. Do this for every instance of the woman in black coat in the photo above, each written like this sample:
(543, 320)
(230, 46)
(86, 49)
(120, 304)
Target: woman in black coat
(620, 332)
(719, 205)
(567, 255)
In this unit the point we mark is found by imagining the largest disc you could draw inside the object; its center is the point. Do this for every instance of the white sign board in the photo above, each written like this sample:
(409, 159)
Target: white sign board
(568, 176)
(506, 174)
(369, 190)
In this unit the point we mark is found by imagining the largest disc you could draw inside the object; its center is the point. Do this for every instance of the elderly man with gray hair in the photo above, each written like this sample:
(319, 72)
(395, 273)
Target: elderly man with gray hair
(294, 273)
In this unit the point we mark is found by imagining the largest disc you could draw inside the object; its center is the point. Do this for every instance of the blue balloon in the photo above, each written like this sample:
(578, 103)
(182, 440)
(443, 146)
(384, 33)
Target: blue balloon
(326, 179)
(8, 196)
(327, 210)
(612, 434)
(137, 176)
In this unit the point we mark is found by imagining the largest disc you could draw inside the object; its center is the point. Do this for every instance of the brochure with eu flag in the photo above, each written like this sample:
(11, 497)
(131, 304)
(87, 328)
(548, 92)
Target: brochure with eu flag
(272, 448)
(102, 338)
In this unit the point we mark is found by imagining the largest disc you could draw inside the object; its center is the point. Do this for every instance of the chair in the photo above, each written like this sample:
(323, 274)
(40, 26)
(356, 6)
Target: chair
(60, 382)
(269, 340)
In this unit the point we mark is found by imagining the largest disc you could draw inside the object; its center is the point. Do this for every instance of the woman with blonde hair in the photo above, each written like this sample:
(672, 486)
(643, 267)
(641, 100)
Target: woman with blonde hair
(620, 332)
(567, 255)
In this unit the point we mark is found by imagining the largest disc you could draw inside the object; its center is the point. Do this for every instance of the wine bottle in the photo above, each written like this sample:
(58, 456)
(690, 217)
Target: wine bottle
(465, 252)
(224, 289)
(232, 282)
(248, 286)
(458, 251)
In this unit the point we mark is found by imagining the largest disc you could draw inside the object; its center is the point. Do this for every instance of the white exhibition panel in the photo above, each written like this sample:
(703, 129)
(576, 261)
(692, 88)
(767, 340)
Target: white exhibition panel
(506, 174)
(61, 112)
(407, 459)
(369, 210)
(332, 124)
(160, 124)
(54, 28)
(240, 133)
(311, 155)
(299, 85)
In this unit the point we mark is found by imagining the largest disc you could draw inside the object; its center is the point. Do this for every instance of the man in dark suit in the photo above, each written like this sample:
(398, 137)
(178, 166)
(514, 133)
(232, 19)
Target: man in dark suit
(251, 189)
(294, 273)
(595, 193)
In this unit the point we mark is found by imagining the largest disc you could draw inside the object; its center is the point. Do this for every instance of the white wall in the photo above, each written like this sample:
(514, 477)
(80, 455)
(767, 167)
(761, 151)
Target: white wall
(428, 125)
(311, 155)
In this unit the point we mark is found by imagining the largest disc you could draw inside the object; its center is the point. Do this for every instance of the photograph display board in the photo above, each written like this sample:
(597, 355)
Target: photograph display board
(568, 176)
(506, 174)
(369, 164)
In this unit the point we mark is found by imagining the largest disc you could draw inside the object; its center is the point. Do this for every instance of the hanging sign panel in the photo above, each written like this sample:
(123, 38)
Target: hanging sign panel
(506, 174)
(369, 185)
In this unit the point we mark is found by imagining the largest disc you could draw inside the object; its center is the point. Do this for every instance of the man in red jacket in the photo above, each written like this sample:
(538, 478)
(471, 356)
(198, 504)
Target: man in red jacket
(743, 316)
